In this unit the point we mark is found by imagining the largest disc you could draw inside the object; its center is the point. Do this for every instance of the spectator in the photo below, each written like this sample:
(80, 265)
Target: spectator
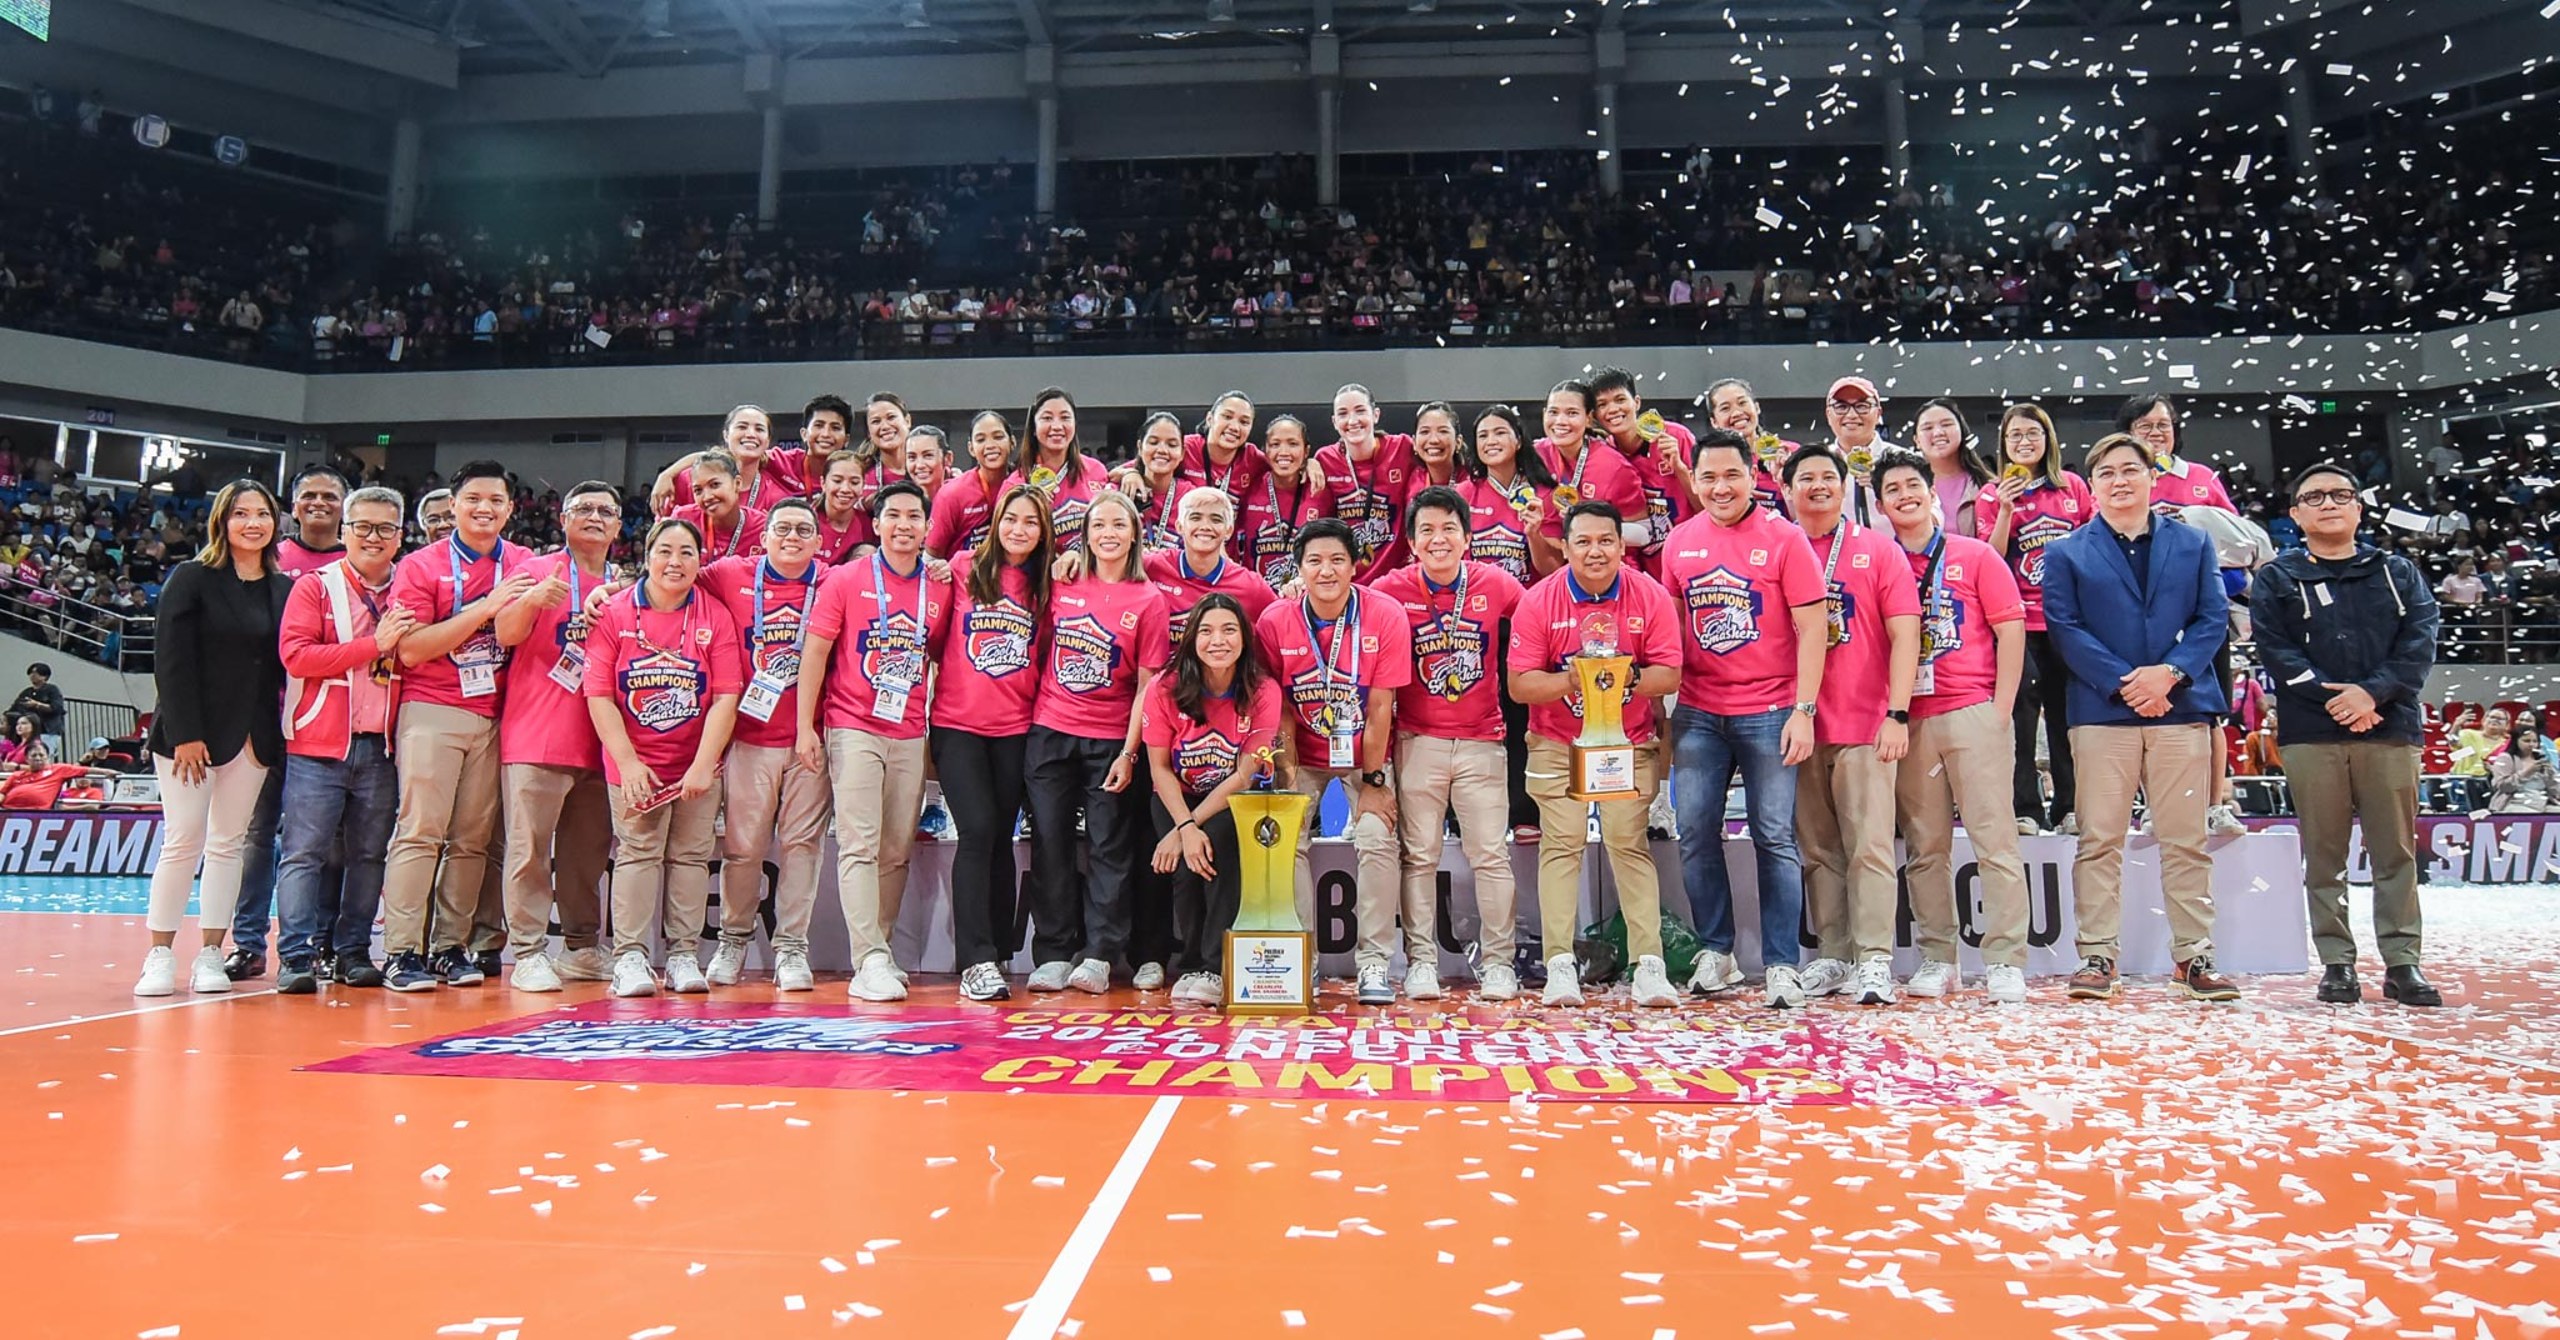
(2521, 778)
(2462, 587)
(42, 701)
(2259, 756)
(23, 738)
(38, 782)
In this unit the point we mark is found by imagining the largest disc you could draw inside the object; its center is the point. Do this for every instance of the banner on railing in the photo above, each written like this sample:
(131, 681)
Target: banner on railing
(2492, 849)
(54, 842)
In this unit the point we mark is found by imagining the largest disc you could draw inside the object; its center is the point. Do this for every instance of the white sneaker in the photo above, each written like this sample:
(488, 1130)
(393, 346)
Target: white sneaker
(1659, 816)
(984, 982)
(159, 972)
(1148, 977)
(583, 965)
(1422, 982)
(1092, 977)
(791, 971)
(2223, 821)
(1785, 988)
(684, 974)
(728, 962)
(1195, 989)
(1935, 979)
(2029, 827)
(1653, 983)
(2006, 985)
(207, 977)
(1824, 977)
(1715, 973)
(1373, 987)
(1875, 980)
(875, 981)
(1564, 986)
(533, 972)
(2069, 827)
(1051, 976)
(1498, 982)
(631, 975)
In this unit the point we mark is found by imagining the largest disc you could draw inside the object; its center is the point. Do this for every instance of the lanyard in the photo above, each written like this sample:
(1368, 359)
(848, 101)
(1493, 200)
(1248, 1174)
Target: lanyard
(736, 532)
(1208, 469)
(1839, 536)
(1457, 606)
(1325, 662)
(1934, 601)
(880, 593)
(1298, 504)
(1581, 463)
(498, 573)
(808, 602)
(832, 542)
(365, 593)
(640, 626)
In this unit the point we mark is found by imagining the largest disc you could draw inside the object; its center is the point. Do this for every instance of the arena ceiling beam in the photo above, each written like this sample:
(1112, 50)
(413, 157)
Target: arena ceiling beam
(564, 33)
(384, 49)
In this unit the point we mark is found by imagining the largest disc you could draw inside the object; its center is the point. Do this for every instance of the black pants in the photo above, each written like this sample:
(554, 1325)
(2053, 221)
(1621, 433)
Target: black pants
(1515, 746)
(1156, 933)
(1203, 910)
(1080, 916)
(982, 782)
(2048, 682)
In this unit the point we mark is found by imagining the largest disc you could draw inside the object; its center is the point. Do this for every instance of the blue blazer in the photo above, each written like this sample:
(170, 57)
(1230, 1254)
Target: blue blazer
(2104, 628)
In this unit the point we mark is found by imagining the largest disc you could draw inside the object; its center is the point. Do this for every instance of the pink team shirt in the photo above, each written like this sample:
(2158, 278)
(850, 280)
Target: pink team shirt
(1320, 670)
(837, 543)
(294, 558)
(1207, 751)
(661, 669)
(779, 479)
(433, 583)
(744, 537)
(1869, 583)
(2044, 514)
(1067, 503)
(1370, 495)
(1603, 475)
(1972, 594)
(773, 644)
(1157, 515)
(990, 663)
(963, 513)
(1738, 588)
(887, 629)
(1557, 618)
(1101, 634)
(1270, 518)
(1456, 693)
(1666, 503)
(1241, 474)
(544, 721)
(2190, 485)
(1182, 588)
(1497, 534)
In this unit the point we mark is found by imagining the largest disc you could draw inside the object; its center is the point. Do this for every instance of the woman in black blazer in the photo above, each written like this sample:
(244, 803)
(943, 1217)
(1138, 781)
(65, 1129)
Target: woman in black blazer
(219, 726)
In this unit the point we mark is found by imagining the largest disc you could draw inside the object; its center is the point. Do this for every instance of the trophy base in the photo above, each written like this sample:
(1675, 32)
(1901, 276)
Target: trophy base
(1603, 772)
(1270, 972)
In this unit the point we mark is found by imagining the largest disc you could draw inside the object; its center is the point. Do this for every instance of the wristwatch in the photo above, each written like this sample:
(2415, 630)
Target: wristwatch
(1806, 709)
(1898, 714)
(1377, 778)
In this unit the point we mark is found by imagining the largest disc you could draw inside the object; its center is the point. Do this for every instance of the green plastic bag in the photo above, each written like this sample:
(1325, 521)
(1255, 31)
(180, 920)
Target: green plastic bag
(1679, 944)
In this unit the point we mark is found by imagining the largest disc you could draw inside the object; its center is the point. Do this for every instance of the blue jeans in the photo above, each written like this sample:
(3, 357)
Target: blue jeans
(258, 869)
(332, 807)
(1706, 751)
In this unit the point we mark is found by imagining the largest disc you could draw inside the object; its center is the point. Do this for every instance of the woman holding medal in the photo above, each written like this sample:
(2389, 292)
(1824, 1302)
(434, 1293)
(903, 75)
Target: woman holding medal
(2033, 503)
(966, 506)
(1732, 407)
(1211, 725)
(1505, 491)
(1053, 462)
(747, 436)
(1281, 504)
(1585, 471)
(663, 678)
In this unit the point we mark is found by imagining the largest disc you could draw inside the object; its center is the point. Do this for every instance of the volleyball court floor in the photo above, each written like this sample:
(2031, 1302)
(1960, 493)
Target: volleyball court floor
(364, 1163)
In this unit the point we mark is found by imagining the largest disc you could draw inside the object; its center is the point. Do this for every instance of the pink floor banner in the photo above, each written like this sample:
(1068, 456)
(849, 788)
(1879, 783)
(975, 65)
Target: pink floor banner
(1464, 1056)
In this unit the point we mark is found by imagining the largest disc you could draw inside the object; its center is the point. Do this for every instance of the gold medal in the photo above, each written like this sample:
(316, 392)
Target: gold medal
(1862, 459)
(1521, 497)
(1649, 425)
(1768, 448)
(1567, 496)
(1044, 479)
(2016, 471)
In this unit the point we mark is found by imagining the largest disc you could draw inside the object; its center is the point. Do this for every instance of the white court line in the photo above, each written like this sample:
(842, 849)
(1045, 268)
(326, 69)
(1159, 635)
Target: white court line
(127, 1014)
(1047, 1309)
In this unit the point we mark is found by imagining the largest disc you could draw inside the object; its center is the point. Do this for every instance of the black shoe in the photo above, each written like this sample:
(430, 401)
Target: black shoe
(243, 964)
(2410, 987)
(355, 970)
(487, 961)
(324, 963)
(407, 971)
(297, 979)
(2338, 985)
(455, 968)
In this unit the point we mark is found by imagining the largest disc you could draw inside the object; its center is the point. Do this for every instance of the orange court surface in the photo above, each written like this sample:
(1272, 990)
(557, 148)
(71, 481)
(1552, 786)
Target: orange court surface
(373, 1165)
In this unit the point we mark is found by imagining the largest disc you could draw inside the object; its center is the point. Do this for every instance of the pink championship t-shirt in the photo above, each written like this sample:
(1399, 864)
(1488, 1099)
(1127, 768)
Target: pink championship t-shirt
(2044, 514)
(1182, 588)
(545, 722)
(1497, 534)
(661, 669)
(1557, 619)
(1241, 473)
(1456, 693)
(1738, 588)
(836, 543)
(779, 479)
(2190, 485)
(1207, 750)
(990, 662)
(1869, 583)
(1322, 670)
(1370, 495)
(887, 629)
(1101, 634)
(432, 584)
(1973, 594)
(743, 586)
(1268, 524)
(1599, 474)
(1666, 503)
(963, 513)
(1069, 499)
(744, 536)
(294, 558)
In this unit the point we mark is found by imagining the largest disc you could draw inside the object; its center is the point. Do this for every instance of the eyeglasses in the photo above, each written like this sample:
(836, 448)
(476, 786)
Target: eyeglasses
(375, 530)
(1853, 407)
(2318, 497)
(602, 510)
(791, 529)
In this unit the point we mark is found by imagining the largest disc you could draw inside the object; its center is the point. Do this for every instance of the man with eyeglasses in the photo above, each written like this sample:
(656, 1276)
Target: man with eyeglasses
(2348, 632)
(1855, 411)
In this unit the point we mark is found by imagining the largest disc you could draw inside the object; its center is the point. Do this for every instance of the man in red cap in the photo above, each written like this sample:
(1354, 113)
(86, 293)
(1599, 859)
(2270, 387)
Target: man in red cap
(1855, 411)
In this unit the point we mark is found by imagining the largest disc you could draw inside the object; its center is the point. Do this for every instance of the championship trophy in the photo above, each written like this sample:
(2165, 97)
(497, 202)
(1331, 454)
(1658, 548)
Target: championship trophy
(1604, 760)
(1270, 956)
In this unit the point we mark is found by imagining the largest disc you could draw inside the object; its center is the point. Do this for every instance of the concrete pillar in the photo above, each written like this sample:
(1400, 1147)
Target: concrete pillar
(769, 169)
(400, 209)
(1044, 195)
(1897, 129)
(2302, 120)
(1328, 142)
(1605, 102)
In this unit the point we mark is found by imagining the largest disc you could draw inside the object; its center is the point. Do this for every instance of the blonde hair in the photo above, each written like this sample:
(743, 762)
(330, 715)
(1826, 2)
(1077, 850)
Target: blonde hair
(217, 532)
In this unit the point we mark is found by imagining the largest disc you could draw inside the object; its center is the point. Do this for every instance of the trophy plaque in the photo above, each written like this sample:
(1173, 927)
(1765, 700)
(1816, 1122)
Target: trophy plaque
(1270, 956)
(1604, 760)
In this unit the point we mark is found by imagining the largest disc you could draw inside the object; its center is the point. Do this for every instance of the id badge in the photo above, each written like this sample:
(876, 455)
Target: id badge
(1342, 751)
(889, 702)
(569, 672)
(763, 696)
(1924, 682)
(479, 679)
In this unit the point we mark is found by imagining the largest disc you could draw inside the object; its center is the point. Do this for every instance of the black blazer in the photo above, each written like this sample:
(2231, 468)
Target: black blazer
(216, 662)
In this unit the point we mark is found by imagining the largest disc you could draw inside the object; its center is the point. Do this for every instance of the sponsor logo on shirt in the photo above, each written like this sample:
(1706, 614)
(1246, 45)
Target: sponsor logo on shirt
(998, 638)
(1206, 759)
(777, 652)
(2033, 535)
(1724, 610)
(1083, 655)
(662, 693)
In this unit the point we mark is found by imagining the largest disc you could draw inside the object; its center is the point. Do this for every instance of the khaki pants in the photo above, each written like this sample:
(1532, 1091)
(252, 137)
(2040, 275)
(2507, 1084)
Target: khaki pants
(2334, 785)
(663, 858)
(1381, 873)
(448, 763)
(879, 793)
(767, 795)
(1960, 764)
(558, 825)
(1433, 777)
(1562, 839)
(2173, 767)
(1844, 821)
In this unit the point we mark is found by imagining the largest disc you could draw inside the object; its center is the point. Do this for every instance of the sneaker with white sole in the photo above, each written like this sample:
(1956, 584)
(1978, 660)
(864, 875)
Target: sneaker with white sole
(1196, 988)
(684, 974)
(1653, 983)
(2005, 985)
(1092, 977)
(407, 971)
(1784, 988)
(1935, 979)
(2223, 821)
(1715, 973)
(1875, 980)
(631, 975)
(1499, 982)
(1564, 985)
(2029, 828)
(984, 981)
(590, 964)
(1825, 977)
(791, 971)
(1374, 987)
(1422, 982)
(159, 972)
(1148, 977)
(728, 964)
(1051, 976)
(207, 977)
(533, 972)
(2069, 827)
(874, 980)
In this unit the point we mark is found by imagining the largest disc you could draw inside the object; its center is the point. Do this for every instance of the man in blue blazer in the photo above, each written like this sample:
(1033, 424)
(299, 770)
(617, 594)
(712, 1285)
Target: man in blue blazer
(2134, 603)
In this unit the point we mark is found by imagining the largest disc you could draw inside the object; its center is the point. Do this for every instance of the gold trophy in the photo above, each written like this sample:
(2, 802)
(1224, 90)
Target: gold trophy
(1604, 760)
(1270, 956)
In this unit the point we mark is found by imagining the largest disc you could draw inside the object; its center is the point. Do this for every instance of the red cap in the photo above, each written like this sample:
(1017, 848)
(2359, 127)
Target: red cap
(1858, 384)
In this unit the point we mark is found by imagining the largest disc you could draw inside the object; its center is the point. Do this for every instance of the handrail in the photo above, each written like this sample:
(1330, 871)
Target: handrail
(119, 641)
